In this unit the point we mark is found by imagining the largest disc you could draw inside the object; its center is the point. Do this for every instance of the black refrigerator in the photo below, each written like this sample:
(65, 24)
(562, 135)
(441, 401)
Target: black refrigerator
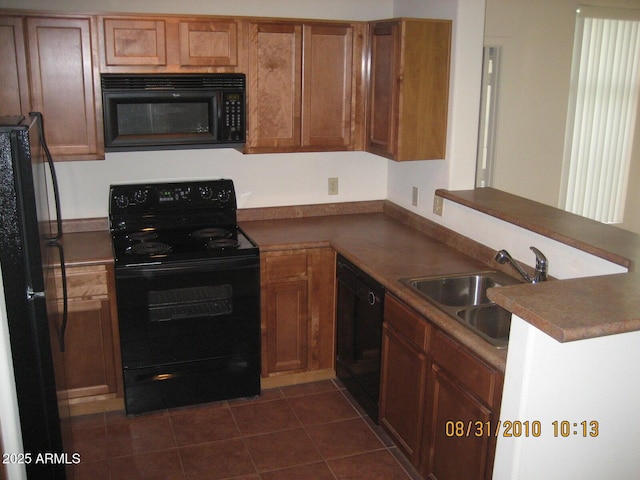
(32, 262)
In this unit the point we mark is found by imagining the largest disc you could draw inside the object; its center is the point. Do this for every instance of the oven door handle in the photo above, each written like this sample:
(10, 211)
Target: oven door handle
(137, 270)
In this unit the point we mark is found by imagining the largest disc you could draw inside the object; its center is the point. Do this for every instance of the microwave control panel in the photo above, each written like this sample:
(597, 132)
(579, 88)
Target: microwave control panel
(233, 116)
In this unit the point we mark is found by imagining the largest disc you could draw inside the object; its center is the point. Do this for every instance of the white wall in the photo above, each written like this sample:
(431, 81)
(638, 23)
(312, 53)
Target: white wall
(260, 180)
(588, 380)
(325, 9)
(563, 261)
(457, 170)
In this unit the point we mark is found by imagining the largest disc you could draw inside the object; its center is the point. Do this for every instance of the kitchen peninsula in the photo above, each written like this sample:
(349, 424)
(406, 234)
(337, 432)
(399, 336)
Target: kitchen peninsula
(573, 354)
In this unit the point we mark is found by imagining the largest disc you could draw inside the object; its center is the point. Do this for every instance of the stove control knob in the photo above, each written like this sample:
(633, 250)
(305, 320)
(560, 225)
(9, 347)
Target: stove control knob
(122, 201)
(206, 193)
(224, 196)
(140, 196)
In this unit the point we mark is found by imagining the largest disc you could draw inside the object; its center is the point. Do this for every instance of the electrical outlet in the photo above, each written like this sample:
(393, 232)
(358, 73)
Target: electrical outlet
(437, 205)
(414, 196)
(333, 185)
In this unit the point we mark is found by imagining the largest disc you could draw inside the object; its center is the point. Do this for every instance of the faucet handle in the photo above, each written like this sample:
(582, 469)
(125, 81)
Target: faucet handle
(542, 265)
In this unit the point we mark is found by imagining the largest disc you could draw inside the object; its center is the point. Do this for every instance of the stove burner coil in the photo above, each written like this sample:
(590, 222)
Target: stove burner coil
(149, 248)
(212, 233)
(222, 243)
(142, 236)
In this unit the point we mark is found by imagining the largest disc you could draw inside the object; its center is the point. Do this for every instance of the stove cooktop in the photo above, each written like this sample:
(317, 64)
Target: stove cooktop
(178, 221)
(153, 245)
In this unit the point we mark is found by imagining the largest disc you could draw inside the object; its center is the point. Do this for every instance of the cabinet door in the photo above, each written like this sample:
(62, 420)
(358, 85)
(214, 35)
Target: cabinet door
(409, 87)
(135, 42)
(298, 311)
(275, 85)
(89, 355)
(62, 85)
(208, 43)
(14, 94)
(287, 320)
(285, 307)
(463, 389)
(424, 90)
(327, 85)
(452, 453)
(402, 389)
(382, 89)
(322, 289)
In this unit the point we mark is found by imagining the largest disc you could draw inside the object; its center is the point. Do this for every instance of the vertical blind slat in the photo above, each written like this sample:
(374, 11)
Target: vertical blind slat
(602, 117)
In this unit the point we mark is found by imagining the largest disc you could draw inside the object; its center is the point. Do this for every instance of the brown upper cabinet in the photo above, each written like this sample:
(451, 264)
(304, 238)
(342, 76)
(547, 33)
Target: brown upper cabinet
(304, 87)
(14, 94)
(408, 88)
(63, 82)
(48, 65)
(170, 44)
(311, 85)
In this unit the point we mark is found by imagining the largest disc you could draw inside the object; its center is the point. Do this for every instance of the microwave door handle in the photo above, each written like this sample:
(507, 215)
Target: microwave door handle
(54, 179)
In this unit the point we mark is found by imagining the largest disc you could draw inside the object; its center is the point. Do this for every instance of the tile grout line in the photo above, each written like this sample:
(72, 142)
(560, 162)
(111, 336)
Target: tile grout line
(243, 438)
(388, 446)
(304, 428)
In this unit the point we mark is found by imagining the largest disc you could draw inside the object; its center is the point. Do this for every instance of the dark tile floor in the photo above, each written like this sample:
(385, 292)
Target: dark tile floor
(301, 432)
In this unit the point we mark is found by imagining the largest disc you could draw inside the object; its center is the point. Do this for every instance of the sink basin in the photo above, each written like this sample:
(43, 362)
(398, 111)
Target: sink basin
(464, 297)
(456, 290)
(489, 321)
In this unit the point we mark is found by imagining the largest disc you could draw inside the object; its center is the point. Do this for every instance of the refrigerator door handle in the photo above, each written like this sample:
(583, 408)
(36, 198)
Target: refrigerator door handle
(54, 179)
(65, 297)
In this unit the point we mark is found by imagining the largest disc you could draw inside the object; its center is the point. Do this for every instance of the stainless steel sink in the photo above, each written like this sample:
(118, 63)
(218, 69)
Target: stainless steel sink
(456, 291)
(464, 297)
(491, 322)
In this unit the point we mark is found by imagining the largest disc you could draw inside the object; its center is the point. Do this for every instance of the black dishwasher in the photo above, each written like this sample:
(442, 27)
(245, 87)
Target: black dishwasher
(359, 316)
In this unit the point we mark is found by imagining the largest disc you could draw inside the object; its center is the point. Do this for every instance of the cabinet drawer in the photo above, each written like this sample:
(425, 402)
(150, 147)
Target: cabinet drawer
(406, 322)
(84, 282)
(478, 377)
(286, 267)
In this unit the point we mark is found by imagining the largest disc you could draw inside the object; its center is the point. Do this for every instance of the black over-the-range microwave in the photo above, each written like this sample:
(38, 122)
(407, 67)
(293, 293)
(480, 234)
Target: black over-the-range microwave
(152, 112)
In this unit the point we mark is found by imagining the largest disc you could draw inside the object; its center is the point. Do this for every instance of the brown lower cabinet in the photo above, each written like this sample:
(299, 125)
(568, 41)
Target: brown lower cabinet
(432, 389)
(297, 311)
(92, 355)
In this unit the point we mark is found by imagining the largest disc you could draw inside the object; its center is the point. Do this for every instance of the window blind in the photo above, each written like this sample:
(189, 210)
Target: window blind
(603, 102)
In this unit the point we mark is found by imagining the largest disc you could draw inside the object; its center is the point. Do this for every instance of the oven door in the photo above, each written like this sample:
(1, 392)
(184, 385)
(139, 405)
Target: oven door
(189, 332)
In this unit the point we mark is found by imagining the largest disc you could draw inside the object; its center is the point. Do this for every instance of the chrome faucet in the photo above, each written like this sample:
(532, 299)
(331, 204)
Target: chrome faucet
(540, 274)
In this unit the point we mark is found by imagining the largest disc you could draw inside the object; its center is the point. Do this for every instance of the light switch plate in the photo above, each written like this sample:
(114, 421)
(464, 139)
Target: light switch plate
(414, 196)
